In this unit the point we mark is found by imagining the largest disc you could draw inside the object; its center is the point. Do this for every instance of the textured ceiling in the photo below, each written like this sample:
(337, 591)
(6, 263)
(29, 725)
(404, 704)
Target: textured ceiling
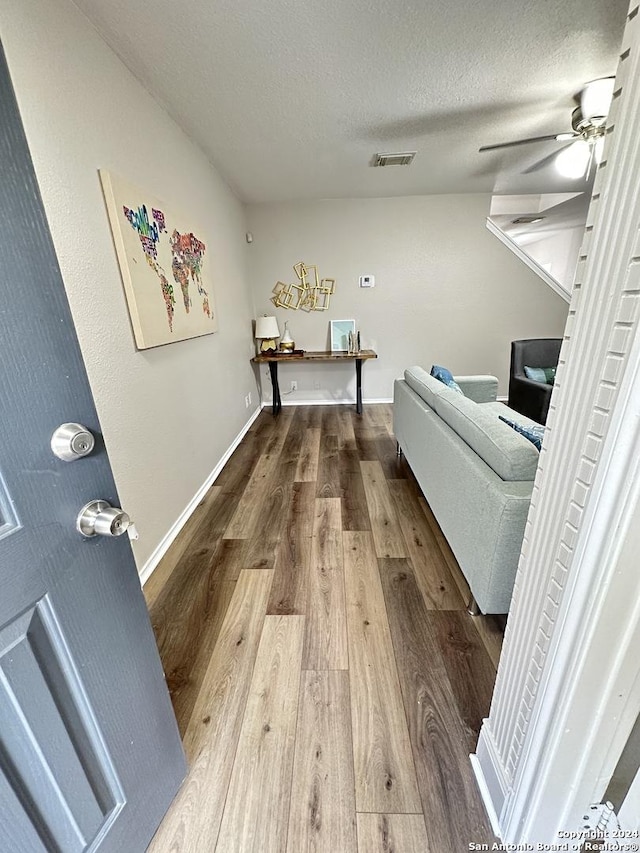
(290, 99)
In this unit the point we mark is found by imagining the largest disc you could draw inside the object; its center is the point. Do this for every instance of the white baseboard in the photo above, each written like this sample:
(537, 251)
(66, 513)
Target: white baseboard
(268, 403)
(164, 544)
(484, 793)
(490, 777)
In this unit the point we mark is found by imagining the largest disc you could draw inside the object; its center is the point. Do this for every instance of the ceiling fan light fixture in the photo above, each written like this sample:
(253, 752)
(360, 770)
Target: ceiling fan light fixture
(595, 100)
(573, 162)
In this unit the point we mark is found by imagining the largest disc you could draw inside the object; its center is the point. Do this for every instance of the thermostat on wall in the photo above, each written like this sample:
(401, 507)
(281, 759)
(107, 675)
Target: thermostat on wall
(367, 281)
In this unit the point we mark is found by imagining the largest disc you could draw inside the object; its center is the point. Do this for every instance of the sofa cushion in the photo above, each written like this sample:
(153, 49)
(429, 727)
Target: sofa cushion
(502, 410)
(534, 434)
(546, 375)
(424, 385)
(510, 455)
(445, 375)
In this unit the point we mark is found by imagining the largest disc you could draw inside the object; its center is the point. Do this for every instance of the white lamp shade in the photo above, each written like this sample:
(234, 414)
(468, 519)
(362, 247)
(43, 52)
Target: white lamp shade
(573, 162)
(267, 327)
(596, 99)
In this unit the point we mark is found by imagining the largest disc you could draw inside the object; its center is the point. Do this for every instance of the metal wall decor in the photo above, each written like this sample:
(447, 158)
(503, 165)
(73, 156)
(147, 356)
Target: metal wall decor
(311, 293)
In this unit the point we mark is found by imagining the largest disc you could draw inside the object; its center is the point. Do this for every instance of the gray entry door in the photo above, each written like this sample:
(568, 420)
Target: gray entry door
(90, 755)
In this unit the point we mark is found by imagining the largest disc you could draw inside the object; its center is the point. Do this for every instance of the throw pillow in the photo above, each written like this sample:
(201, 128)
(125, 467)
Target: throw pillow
(446, 376)
(535, 434)
(547, 375)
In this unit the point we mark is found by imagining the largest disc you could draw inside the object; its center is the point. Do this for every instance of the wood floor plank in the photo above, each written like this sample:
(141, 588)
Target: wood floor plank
(490, 628)
(395, 467)
(290, 452)
(432, 573)
(243, 523)
(349, 459)
(289, 590)
(186, 680)
(255, 815)
(469, 668)
(329, 423)
(279, 433)
(346, 435)
(392, 833)
(216, 520)
(387, 416)
(159, 577)
(228, 560)
(236, 473)
(355, 512)
(310, 417)
(445, 549)
(365, 440)
(191, 825)
(373, 416)
(307, 468)
(414, 698)
(328, 481)
(384, 770)
(387, 534)
(197, 595)
(326, 630)
(269, 525)
(452, 807)
(322, 815)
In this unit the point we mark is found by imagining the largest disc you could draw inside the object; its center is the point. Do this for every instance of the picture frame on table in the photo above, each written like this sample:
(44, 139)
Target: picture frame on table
(340, 330)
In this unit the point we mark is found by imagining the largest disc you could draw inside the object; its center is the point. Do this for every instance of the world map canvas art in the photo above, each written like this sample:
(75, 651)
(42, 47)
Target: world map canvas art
(165, 266)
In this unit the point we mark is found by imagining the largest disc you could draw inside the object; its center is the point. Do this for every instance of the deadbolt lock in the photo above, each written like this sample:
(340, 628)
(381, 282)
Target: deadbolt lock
(72, 441)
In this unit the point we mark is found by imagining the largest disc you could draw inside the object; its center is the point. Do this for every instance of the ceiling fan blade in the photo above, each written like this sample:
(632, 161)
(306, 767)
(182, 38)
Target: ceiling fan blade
(553, 136)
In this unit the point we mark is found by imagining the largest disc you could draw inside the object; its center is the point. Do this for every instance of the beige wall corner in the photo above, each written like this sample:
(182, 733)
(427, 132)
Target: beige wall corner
(446, 291)
(168, 414)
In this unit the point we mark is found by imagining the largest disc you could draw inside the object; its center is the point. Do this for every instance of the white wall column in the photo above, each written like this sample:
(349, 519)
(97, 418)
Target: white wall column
(568, 687)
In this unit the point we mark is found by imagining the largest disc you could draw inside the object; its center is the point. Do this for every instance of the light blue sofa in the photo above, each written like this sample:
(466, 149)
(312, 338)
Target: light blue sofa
(475, 471)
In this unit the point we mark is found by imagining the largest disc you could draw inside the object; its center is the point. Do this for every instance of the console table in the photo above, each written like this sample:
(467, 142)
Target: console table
(274, 359)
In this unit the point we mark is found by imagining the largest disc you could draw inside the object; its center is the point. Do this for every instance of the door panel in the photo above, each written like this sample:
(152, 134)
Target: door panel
(52, 750)
(90, 755)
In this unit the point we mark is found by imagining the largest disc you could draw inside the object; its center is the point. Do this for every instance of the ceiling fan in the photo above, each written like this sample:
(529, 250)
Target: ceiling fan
(588, 122)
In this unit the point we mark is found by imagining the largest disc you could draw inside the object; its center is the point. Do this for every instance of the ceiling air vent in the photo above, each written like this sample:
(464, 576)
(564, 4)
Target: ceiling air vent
(403, 158)
(527, 220)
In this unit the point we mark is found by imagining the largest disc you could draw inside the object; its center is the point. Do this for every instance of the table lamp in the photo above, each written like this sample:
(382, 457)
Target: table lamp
(266, 332)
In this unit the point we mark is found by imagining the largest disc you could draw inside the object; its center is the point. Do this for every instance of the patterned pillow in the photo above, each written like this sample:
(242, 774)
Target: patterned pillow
(535, 434)
(547, 375)
(446, 376)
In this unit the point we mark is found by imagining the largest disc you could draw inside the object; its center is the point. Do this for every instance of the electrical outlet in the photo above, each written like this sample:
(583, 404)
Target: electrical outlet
(316, 385)
(246, 402)
(249, 397)
(294, 385)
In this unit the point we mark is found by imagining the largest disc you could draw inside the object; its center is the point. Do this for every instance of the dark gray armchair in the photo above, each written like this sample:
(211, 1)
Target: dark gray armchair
(526, 396)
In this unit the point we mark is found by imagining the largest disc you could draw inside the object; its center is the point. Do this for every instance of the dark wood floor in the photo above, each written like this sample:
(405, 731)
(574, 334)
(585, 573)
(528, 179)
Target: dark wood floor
(327, 680)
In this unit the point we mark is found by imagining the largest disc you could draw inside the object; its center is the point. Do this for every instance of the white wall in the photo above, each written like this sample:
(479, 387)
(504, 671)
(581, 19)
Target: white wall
(446, 290)
(556, 252)
(168, 414)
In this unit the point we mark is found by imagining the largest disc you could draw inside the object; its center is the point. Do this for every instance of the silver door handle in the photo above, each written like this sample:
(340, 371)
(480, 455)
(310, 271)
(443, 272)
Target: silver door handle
(72, 441)
(99, 518)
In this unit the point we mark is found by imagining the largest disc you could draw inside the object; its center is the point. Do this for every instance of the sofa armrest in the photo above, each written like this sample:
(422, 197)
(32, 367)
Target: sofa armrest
(480, 389)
